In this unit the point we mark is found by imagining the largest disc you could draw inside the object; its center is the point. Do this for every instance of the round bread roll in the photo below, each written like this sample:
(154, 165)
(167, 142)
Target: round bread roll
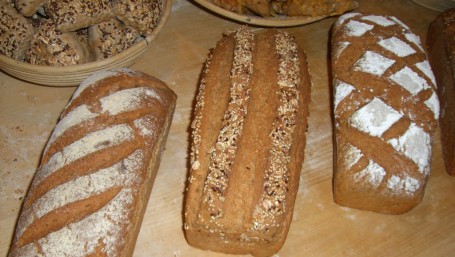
(142, 15)
(50, 46)
(110, 38)
(76, 14)
(28, 7)
(16, 32)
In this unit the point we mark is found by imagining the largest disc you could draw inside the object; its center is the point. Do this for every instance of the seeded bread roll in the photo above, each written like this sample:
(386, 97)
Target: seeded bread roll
(16, 32)
(142, 15)
(386, 111)
(441, 51)
(89, 194)
(110, 38)
(71, 15)
(248, 141)
(29, 7)
(316, 7)
(50, 46)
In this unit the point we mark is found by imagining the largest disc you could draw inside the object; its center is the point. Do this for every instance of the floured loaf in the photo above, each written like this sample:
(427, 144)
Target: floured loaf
(89, 194)
(386, 111)
(441, 51)
(248, 141)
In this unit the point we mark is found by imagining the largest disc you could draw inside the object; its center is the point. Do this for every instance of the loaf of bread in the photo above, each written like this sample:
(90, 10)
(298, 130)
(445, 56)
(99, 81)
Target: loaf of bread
(441, 51)
(91, 189)
(304, 8)
(75, 14)
(142, 15)
(29, 7)
(16, 32)
(110, 38)
(385, 112)
(248, 141)
(50, 46)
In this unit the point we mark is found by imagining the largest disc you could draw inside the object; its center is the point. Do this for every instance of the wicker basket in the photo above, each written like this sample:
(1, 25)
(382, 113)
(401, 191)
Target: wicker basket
(72, 75)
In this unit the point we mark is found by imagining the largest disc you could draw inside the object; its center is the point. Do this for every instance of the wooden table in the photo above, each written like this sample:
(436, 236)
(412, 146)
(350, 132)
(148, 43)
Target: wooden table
(29, 112)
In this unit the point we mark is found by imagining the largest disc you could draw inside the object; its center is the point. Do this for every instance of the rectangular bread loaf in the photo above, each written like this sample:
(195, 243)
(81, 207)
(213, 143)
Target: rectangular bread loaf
(441, 52)
(385, 113)
(248, 141)
(91, 189)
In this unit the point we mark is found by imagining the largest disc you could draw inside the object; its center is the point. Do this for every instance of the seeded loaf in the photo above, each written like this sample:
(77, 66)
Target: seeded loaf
(441, 51)
(248, 140)
(29, 7)
(76, 14)
(110, 38)
(142, 15)
(16, 32)
(50, 46)
(89, 194)
(385, 112)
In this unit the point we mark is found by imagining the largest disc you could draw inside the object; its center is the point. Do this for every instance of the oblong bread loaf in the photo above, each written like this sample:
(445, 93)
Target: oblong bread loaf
(385, 113)
(89, 194)
(441, 52)
(248, 141)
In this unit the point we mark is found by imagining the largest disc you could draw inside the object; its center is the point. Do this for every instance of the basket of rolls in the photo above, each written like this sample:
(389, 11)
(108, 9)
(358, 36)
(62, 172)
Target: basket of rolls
(61, 42)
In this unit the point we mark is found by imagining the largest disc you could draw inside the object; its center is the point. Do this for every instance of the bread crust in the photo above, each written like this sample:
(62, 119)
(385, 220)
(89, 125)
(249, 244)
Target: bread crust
(441, 52)
(76, 14)
(142, 15)
(17, 30)
(385, 114)
(50, 46)
(91, 189)
(248, 144)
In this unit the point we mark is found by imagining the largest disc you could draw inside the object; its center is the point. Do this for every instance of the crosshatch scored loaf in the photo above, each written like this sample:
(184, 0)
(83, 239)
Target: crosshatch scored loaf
(385, 111)
(91, 189)
(248, 141)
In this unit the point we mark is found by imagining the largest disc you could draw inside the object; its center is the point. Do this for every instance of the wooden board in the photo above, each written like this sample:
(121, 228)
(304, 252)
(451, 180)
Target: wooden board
(29, 112)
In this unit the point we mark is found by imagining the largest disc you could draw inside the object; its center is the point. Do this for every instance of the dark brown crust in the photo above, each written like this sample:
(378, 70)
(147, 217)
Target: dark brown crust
(371, 172)
(441, 51)
(233, 223)
(149, 121)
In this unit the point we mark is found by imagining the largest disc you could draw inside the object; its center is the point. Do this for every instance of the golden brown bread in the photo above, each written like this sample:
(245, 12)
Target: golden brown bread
(16, 32)
(91, 189)
(306, 8)
(111, 37)
(385, 113)
(50, 46)
(248, 144)
(316, 7)
(142, 15)
(441, 51)
(29, 7)
(76, 14)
